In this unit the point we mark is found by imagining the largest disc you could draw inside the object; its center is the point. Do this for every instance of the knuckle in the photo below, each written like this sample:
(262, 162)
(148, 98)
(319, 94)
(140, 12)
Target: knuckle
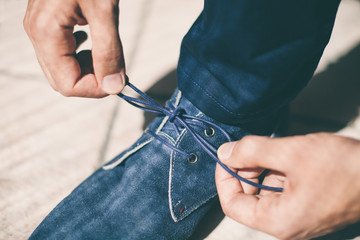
(283, 231)
(37, 24)
(248, 140)
(226, 209)
(25, 24)
(66, 91)
(224, 203)
(108, 61)
(279, 233)
(108, 55)
(227, 206)
(54, 87)
(247, 146)
(34, 26)
(106, 6)
(283, 235)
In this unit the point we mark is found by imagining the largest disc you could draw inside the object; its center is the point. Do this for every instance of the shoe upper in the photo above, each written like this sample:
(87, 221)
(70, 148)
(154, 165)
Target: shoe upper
(191, 184)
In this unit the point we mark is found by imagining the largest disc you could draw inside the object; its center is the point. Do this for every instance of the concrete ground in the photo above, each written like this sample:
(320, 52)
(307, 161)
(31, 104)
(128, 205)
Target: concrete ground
(49, 143)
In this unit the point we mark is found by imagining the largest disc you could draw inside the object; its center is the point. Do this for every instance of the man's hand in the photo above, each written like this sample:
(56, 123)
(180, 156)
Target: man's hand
(50, 24)
(319, 174)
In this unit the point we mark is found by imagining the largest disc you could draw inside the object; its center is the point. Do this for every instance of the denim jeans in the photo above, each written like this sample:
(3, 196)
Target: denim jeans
(247, 58)
(240, 64)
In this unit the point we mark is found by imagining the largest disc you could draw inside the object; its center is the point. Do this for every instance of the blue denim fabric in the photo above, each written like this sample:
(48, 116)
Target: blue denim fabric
(154, 193)
(247, 58)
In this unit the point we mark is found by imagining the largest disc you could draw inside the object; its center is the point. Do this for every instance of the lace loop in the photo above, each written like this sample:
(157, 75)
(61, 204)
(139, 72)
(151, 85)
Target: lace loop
(178, 117)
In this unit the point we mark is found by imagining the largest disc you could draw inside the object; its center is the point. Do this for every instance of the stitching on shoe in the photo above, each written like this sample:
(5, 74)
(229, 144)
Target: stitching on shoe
(168, 137)
(197, 204)
(162, 124)
(177, 116)
(172, 168)
(172, 162)
(127, 154)
(178, 98)
(112, 165)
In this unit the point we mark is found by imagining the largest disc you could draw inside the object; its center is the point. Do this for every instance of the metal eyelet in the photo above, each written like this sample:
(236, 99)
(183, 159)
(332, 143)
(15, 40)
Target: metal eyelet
(193, 158)
(209, 132)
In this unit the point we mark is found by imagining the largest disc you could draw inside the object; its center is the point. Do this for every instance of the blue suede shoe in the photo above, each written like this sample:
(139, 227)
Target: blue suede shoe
(160, 188)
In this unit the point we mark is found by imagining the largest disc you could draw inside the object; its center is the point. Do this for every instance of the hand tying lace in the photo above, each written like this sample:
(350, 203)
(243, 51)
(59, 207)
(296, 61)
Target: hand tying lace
(180, 120)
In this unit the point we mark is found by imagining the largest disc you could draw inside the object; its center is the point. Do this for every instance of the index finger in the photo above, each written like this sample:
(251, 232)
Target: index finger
(64, 68)
(256, 152)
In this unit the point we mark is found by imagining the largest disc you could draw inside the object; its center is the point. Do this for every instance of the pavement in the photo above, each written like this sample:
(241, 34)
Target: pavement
(49, 143)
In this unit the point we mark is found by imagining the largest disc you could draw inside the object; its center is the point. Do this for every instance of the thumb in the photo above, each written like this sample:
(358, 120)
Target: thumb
(254, 152)
(107, 52)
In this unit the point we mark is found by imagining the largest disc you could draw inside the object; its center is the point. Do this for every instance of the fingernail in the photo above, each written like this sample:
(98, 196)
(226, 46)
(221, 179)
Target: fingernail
(225, 150)
(114, 83)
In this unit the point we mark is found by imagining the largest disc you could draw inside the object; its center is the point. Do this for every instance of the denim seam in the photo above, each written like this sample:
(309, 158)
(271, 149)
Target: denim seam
(127, 154)
(196, 204)
(167, 137)
(162, 124)
(172, 168)
(178, 98)
(176, 104)
(172, 163)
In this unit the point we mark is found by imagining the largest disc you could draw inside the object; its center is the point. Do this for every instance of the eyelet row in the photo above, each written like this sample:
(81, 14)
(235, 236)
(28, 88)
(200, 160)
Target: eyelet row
(210, 132)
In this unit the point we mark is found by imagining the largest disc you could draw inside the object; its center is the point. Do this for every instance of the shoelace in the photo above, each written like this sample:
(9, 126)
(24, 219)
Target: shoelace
(181, 120)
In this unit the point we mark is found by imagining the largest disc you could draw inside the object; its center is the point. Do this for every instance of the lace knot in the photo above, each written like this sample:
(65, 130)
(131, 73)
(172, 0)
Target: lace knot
(179, 118)
(177, 112)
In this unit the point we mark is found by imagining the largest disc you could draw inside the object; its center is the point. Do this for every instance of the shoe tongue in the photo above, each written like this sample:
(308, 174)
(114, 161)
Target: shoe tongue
(191, 184)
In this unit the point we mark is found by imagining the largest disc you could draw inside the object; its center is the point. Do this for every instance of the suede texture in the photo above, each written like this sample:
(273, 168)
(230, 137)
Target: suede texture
(154, 193)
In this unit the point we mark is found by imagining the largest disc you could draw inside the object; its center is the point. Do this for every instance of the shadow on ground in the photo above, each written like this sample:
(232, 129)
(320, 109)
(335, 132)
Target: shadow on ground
(331, 100)
(328, 103)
